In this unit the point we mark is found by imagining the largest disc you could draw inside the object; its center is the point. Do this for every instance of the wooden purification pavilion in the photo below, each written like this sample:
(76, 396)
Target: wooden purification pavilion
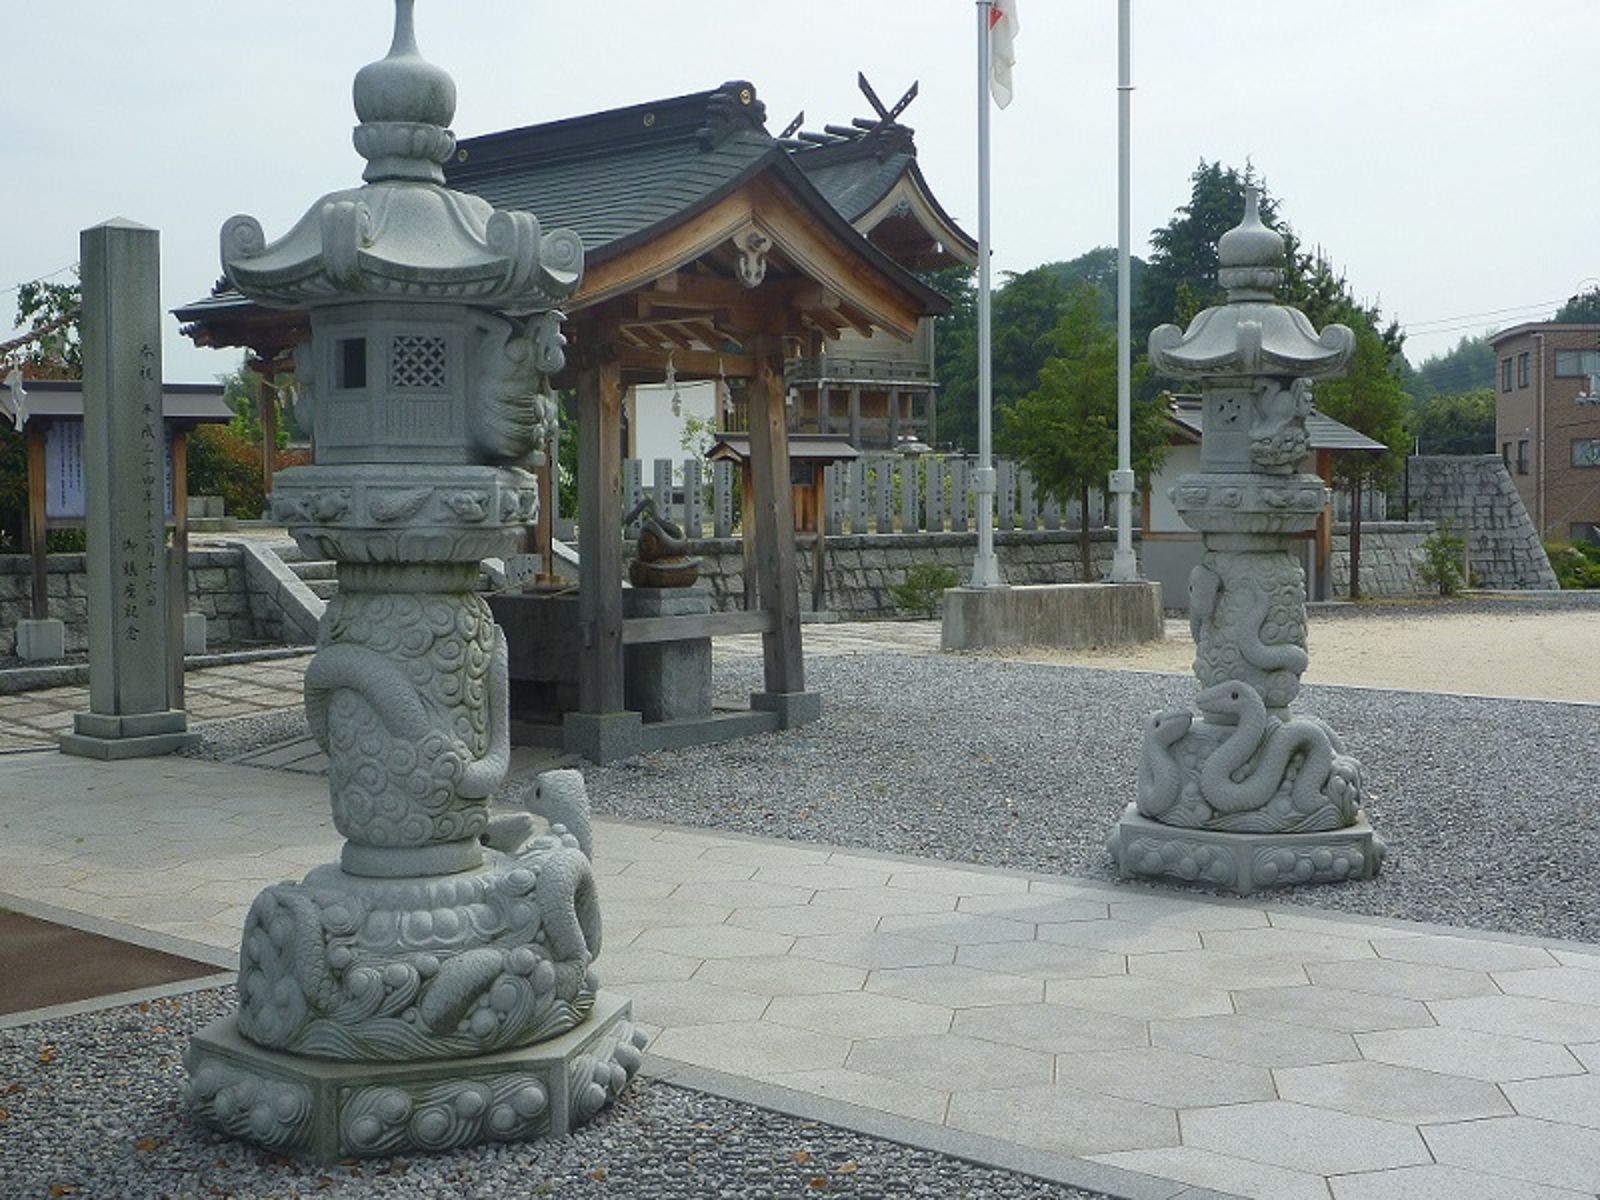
(708, 249)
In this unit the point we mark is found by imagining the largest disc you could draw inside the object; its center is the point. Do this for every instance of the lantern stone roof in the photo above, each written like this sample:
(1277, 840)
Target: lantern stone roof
(1184, 412)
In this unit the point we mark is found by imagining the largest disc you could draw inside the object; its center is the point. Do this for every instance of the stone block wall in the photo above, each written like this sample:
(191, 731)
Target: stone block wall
(217, 587)
(862, 569)
(1474, 497)
(1391, 553)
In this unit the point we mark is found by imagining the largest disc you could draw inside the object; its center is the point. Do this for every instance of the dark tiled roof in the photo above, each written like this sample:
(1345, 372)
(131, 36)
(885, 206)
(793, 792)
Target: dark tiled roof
(1325, 432)
(803, 447)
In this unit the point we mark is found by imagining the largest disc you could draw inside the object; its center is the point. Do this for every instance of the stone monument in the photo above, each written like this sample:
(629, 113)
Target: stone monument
(434, 987)
(1244, 794)
(131, 641)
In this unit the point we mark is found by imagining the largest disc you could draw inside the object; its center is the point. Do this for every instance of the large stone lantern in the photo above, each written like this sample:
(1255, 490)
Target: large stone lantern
(1243, 793)
(433, 988)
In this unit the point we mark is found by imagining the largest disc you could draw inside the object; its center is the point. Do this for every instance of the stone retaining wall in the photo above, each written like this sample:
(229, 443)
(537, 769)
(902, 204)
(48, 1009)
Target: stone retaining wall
(1473, 495)
(217, 588)
(1391, 553)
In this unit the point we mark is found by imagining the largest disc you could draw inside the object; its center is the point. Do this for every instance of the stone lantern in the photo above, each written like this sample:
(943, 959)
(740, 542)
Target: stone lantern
(433, 988)
(1243, 793)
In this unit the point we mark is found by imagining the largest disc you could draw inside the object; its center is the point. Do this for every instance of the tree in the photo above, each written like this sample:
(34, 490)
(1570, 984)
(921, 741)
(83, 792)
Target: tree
(1369, 399)
(1065, 431)
(1468, 367)
(48, 348)
(1459, 424)
(1582, 309)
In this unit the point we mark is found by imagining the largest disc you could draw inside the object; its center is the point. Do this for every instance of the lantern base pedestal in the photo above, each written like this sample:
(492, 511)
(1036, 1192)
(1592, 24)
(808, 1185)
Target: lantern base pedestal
(135, 735)
(1243, 862)
(327, 1110)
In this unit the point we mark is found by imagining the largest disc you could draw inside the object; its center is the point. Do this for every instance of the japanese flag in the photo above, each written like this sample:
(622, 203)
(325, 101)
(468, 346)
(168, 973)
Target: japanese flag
(1002, 49)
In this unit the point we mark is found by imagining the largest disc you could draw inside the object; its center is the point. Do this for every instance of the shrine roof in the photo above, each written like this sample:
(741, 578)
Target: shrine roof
(198, 402)
(1325, 433)
(803, 447)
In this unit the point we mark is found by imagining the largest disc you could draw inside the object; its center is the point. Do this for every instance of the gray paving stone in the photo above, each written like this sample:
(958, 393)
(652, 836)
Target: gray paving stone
(1491, 1057)
(859, 1015)
(1413, 981)
(1146, 999)
(1298, 1137)
(956, 929)
(753, 1048)
(1570, 984)
(1332, 1008)
(1220, 1172)
(1239, 1039)
(678, 1003)
(1178, 913)
(1063, 1120)
(630, 964)
(1295, 945)
(1165, 1077)
(799, 920)
(1521, 1016)
(1034, 908)
(1572, 1099)
(765, 854)
(782, 975)
(1215, 969)
(955, 986)
(954, 881)
(884, 901)
(823, 875)
(874, 950)
(1121, 937)
(1440, 1183)
(714, 941)
(690, 869)
(869, 1091)
(950, 1063)
(743, 893)
(1542, 1152)
(1465, 953)
(657, 913)
(1374, 1089)
(1042, 960)
(1053, 1028)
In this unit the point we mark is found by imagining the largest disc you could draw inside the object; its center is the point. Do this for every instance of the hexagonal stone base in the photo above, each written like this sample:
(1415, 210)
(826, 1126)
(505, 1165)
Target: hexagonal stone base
(329, 1110)
(1243, 862)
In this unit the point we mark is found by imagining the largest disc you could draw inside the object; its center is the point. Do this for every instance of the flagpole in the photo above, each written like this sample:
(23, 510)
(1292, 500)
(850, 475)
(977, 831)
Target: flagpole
(1124, 566)
(985, 568)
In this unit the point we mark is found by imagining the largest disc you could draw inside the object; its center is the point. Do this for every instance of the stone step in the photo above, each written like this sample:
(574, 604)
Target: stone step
(325, 589)
(315, 570)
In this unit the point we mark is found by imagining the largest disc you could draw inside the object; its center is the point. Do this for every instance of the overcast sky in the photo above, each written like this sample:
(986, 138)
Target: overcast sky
(1442, 151)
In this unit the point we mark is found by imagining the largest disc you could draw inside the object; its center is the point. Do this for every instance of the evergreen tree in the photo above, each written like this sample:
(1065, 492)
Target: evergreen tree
(1582, 309)
(1065, 431)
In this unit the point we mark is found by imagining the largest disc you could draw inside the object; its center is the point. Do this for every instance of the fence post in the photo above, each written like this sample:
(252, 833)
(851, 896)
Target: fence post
(722, 499)
(663, 488)
(632, 491)
(1052, 513)
(1030, 500)
(858, 496)
(909, 510)
(933, 495)
(1006, 497)
(830, 498)
(958, 494)
(885, 495)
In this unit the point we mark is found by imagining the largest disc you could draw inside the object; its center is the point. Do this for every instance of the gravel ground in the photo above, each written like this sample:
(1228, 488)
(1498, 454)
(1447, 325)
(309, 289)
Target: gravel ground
(1487, 805)
(221, 741)
(89, 1107)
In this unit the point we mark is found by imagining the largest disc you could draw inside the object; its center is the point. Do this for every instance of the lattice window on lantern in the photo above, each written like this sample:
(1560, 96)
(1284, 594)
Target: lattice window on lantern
(417, 363)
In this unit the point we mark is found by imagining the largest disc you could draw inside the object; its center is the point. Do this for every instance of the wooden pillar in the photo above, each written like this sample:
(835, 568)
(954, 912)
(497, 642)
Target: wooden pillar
(773, 502)
(1322, 537)
(544, 528)
(178, 565)
(38, 544)
(747, 539)
(267, 402)
(600, 530)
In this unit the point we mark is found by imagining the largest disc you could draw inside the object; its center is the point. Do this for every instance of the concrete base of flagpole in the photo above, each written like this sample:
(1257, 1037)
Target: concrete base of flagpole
(1124, 566)
(1071, 615)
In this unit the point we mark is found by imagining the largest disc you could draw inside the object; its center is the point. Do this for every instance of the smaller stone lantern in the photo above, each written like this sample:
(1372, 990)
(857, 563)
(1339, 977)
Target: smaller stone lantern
(1243, 794)
(434, 987)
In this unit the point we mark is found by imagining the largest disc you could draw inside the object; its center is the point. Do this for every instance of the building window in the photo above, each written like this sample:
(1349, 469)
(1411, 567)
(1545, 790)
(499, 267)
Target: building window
(1505, 454)
(1522, 457)
(1586, 452)
(1522, 369)
(350, 364)
(1505, 375)
(1575, 364)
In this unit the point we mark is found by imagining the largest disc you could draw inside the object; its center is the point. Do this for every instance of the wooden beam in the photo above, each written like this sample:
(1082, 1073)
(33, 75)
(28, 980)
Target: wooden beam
(774, 521)
(639, 630)
(600, 529)
(702, 363)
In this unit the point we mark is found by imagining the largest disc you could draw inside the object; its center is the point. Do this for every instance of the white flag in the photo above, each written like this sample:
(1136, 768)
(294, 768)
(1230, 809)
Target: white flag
(1003, 29)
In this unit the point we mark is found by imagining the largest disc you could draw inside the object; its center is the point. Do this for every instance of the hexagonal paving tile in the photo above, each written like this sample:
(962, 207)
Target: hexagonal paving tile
(873, 950)
(950, 1063)
(1374, 1089)
(1042, 960)
(1032, 907)
(804, 920)
(1413, 981)
(824, 875)
(1174, 912)
(754, 1048)
(714, 941)
(1063, 1120)
(1214, 969)
(688, 869)
(1441, 1183)
(678, 1003)
(1332, 1008)
(868, 1091)
(631, 964)
(858, 1014)
(765, 854)
(1297, 1137)
(1463, 953)
(1491, 1057)
(1521, 1016)
(1135, 996)
(634, 887)
(1250, 1040)
(741, 893)
(659, 914)
(1561, 1156)
(1573, 1099)
(1164, 1077)
(1295, 945)
(1120, 937)
(1219, 1172)
(957, 929)
(783, 975)
(1566, 983)
(955, 882)
(883, 901)
(955, 986)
